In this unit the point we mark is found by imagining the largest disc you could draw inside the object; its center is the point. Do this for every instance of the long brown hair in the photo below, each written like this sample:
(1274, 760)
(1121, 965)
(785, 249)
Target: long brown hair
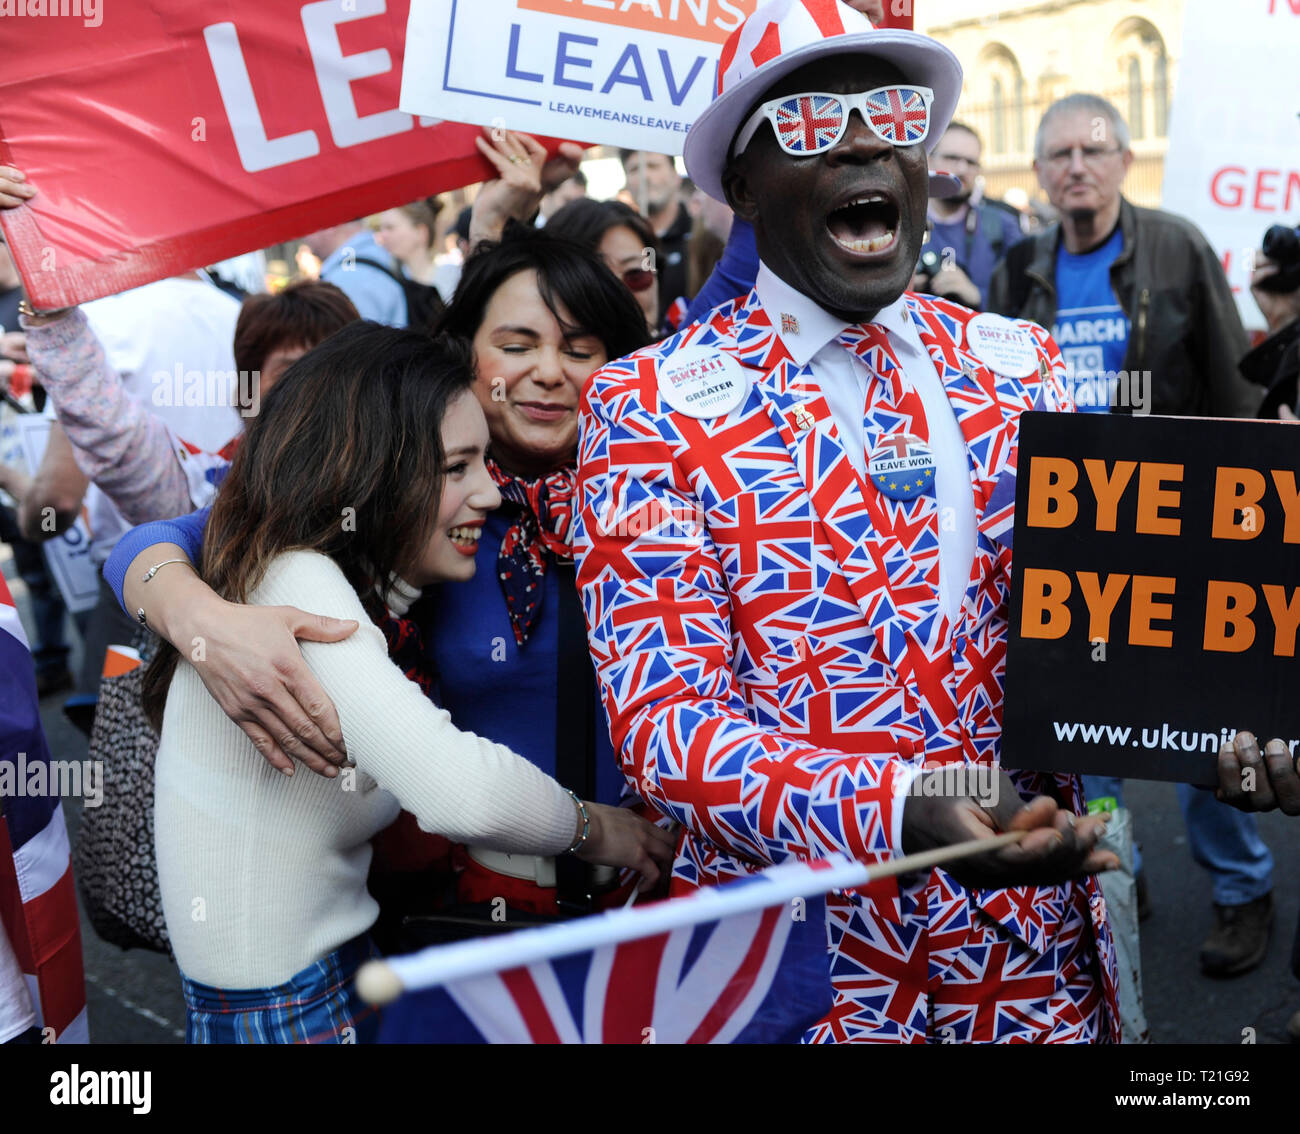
(345, 458)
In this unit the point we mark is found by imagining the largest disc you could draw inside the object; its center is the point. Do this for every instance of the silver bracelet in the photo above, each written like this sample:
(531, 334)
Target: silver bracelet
(139, 613)
(157, 566)
(586, 823)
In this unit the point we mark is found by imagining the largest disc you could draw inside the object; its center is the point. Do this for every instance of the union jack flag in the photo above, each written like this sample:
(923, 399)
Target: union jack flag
(899, 114)
(810, 123)
(204, 471)
(745, 962)
(38, 903)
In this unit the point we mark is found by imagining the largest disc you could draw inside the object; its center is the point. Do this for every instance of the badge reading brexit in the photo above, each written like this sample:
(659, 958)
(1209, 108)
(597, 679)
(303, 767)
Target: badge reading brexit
(1002, 346)
(901, 466)
(702, 382)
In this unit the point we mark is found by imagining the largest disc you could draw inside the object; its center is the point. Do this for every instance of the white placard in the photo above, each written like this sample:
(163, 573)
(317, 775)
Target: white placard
(68, 555)
(632, 73)
(1233, 166)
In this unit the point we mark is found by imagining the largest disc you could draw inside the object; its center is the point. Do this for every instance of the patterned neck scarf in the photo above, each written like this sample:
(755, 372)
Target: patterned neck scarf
(406, 649)
(389, 611)
(543, 522)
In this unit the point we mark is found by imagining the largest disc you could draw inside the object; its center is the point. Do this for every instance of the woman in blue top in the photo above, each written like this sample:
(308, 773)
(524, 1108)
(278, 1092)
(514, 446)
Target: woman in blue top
(542, 315)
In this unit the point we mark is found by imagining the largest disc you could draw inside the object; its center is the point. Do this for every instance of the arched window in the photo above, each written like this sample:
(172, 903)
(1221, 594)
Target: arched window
(999, 117)
(1160, 95)
(1139, 51)
(1006, 87)
(1136, 117)
(1019, 117)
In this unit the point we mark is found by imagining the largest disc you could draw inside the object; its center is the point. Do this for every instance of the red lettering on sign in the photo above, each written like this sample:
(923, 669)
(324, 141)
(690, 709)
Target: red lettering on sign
(1216, 183)
(1231, 184)
(1260, 188)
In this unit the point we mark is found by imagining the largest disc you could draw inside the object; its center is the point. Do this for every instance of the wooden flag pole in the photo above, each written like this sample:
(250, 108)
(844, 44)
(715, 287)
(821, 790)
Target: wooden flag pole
(912, 863)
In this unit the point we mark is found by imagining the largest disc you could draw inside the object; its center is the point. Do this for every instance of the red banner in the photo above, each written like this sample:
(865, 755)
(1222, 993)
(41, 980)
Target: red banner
(169, 135)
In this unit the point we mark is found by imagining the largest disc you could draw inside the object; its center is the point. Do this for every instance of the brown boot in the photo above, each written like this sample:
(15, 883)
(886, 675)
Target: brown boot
(1239, 939)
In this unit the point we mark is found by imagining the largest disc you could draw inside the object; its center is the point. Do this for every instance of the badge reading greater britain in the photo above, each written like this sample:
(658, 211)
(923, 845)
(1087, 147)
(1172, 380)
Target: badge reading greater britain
(901, 466)
(702, 382)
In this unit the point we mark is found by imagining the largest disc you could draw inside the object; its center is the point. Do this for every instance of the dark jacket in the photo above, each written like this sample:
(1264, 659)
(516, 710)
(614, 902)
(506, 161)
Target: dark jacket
(1275, 365)
(1184, 326)
(672, 264)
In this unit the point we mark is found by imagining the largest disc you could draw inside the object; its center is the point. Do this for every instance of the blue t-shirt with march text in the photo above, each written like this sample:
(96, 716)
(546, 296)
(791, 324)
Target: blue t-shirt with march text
(1091, 328)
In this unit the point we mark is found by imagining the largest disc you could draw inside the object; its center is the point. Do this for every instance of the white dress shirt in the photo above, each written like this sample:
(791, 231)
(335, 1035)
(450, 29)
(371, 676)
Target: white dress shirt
(843, 378)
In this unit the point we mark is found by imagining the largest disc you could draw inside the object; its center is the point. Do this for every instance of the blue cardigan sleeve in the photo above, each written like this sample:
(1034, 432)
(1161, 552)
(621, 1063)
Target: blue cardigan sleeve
(187, 531)
(734, 275)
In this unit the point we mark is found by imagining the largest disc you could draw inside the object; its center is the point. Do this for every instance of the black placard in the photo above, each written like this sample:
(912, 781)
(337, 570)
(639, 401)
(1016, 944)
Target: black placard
(1178, 673)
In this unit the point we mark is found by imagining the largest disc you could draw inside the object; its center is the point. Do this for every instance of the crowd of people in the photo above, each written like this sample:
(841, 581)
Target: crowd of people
(447, 665)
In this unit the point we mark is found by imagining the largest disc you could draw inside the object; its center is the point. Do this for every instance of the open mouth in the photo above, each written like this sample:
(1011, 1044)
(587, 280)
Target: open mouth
(465, 536)
(867, 223)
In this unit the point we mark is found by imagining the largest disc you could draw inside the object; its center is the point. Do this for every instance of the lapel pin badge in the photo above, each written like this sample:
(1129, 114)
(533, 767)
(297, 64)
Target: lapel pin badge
(803, 419)
(902, 466)
(1001, 345)
(789, 324)
(702, 382)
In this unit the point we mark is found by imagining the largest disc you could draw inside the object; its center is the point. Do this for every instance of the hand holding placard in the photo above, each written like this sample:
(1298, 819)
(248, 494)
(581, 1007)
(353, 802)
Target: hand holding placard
(1251, 781)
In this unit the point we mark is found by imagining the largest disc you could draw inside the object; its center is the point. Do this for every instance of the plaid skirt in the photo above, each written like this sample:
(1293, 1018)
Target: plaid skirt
(317, 1005)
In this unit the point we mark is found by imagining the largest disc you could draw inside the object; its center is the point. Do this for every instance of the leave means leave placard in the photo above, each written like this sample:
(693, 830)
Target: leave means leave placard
(630, 73)
(1155, 593)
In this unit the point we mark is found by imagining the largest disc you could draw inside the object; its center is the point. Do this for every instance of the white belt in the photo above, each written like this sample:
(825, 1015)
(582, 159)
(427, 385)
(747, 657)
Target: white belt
(533, 867)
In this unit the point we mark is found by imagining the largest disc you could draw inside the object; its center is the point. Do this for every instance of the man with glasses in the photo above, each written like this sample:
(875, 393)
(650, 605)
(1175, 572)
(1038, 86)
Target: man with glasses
(1145, 319)
(1135, 298)
(969, 233)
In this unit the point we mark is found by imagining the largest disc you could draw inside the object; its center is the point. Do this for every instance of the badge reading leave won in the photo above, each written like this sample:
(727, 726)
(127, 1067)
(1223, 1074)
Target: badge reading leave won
(901, 466)
(1002, 346)
(702, 382)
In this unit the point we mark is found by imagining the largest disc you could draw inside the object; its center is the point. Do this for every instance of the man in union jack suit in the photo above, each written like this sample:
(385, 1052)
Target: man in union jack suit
(791, 568)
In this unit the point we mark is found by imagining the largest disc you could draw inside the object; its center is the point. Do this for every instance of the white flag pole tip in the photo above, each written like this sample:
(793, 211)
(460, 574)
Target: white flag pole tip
(377, 983)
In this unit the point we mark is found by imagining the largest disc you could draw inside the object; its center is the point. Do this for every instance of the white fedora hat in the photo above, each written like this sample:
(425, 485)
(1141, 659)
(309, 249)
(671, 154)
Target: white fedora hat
(780, 37)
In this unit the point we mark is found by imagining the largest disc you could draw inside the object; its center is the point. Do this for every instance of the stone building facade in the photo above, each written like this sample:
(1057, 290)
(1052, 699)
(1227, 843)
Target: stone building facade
(1019, 58)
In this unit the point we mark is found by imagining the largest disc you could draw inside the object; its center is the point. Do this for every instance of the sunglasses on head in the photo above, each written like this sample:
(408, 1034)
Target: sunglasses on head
(807, 124)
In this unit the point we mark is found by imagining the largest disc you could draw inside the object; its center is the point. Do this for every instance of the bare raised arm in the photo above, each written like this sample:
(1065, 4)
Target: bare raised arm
(247, 657)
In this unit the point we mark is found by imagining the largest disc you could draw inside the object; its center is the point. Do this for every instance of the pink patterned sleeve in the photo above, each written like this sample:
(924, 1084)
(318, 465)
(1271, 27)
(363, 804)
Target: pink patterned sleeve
(126, 450)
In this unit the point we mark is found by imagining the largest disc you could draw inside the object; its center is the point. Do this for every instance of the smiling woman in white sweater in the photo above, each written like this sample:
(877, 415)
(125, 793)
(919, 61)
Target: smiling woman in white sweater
(366, 463)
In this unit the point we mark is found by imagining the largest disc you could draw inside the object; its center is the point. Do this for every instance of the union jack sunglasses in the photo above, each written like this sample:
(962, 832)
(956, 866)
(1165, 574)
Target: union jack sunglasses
(808, 124)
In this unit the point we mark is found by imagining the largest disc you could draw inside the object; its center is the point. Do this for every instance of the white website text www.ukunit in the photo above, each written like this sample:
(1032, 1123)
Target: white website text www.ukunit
(1166, 738)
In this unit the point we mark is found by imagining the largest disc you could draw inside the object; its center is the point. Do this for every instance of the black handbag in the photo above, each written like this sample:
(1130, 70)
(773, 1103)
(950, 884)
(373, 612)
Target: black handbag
(113, 859)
